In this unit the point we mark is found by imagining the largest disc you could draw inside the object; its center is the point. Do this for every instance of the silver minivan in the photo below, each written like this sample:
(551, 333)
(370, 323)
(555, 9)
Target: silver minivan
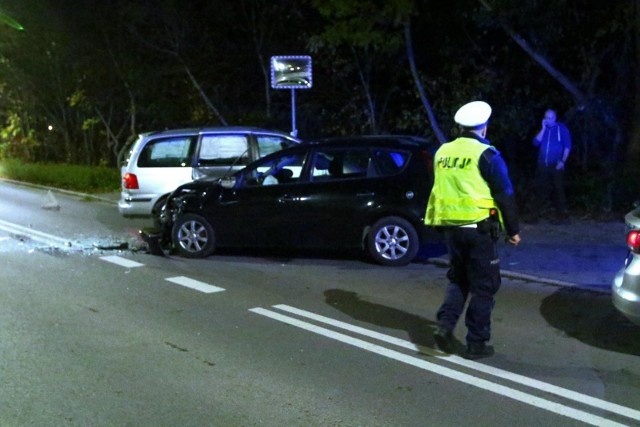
(625, 289)
(159, 162)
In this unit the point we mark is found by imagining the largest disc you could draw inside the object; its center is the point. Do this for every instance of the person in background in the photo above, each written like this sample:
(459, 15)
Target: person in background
(471, 200)
(554, 145)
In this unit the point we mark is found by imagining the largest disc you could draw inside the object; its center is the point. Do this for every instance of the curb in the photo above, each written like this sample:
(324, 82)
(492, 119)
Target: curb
(442, 262)
(61, 191)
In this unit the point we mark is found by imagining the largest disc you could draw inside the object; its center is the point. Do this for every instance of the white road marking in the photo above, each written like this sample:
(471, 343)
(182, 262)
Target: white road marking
(496, 372)
(36, 235)
(444, 371)
(123, 262)
(180, 280)
(195, 284)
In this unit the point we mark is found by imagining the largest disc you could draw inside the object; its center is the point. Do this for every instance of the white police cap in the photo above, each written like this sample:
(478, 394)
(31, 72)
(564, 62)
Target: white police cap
(473, 115)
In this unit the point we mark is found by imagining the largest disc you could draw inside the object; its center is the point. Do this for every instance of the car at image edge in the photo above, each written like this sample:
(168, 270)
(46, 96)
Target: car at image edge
(366, 193)
(625, 289)
(161, 161)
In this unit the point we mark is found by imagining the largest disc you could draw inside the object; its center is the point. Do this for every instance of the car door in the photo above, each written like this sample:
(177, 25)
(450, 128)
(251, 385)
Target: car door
(337, 202)
(219, 154)
(261, 209)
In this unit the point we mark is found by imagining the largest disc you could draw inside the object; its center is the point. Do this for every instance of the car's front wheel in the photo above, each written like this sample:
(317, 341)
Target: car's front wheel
(193, 236)
(393, 241)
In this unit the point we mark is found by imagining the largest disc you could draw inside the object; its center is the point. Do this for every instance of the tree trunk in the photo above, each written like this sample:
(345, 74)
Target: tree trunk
(267, 84)
(366, 88)
(203, 94)
(416, 78)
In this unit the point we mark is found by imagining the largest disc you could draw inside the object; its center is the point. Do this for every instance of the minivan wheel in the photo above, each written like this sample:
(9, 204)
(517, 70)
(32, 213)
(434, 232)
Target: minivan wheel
(193, 236)
(393, 241)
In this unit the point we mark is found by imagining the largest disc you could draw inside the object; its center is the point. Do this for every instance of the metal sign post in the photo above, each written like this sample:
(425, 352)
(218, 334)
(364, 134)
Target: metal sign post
(294, 130)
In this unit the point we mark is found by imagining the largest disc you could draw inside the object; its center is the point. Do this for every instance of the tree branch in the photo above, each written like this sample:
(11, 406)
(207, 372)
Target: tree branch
(542, 61)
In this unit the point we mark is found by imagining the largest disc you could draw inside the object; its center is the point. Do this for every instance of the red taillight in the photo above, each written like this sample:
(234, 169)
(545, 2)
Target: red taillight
(130, 181)
(633, 240)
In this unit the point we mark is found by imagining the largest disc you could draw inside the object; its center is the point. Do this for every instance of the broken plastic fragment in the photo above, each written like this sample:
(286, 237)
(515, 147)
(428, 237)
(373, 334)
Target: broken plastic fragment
(50, 202)
(114, 247)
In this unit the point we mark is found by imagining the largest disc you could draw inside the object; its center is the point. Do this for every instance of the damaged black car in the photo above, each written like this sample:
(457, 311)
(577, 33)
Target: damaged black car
(365, 193)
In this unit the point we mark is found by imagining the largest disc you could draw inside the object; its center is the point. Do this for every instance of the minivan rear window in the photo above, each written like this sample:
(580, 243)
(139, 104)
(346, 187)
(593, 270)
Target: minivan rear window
(166, 152)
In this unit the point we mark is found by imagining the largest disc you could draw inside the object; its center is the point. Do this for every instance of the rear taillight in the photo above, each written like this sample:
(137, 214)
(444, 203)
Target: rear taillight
(633, 240)
(130, 181)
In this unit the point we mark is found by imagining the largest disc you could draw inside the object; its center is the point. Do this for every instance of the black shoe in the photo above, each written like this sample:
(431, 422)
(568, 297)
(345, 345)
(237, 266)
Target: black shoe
(444, 339)
(478, 350)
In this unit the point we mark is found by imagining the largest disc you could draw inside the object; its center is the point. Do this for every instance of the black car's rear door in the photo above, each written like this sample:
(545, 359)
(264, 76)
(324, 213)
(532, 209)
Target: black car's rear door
(336, 204)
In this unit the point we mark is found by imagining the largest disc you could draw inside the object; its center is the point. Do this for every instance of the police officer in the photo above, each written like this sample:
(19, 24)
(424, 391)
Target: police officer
(471, 200)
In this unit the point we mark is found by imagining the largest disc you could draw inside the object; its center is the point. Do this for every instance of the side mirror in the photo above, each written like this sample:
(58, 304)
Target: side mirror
(228, 182)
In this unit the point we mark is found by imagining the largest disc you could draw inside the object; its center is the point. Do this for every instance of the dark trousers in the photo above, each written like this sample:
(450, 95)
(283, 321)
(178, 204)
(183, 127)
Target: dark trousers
(474, 271)
(549, 181)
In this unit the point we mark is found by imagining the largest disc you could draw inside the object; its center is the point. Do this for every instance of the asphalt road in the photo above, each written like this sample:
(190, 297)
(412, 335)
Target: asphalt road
(95, 335)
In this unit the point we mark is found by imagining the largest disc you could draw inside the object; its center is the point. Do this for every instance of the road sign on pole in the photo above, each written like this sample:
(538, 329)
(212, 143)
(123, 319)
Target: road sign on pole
(291, 72)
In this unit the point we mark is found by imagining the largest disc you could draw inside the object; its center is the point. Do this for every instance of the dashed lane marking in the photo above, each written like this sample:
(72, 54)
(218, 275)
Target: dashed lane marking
(123, 262)
(180, 280)
(194, 284)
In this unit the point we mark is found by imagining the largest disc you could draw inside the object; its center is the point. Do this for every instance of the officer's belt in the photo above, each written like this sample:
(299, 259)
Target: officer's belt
(483, 223)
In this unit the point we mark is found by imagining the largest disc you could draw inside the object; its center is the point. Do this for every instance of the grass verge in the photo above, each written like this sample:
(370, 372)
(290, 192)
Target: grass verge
(86, 179)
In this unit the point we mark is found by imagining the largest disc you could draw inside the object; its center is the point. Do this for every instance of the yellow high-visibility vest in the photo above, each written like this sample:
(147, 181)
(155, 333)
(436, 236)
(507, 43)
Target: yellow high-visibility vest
(460, 195)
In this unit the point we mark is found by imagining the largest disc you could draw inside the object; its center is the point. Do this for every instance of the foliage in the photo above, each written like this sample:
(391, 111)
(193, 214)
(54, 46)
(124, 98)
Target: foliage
(89, 179)
(101, 72)
(17, 141)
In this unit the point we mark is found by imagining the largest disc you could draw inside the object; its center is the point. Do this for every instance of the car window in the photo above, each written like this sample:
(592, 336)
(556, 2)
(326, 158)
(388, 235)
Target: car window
(223, 150)
(284, 169)
(390, 162)
(166, 152)
(268, 144)
(335, 164)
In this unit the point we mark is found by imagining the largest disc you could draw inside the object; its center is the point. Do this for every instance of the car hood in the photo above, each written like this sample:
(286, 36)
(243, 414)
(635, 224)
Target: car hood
(208, 185)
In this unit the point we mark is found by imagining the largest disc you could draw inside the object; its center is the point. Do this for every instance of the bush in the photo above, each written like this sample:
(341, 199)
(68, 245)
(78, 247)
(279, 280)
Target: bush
(596, 194)
(87, 179)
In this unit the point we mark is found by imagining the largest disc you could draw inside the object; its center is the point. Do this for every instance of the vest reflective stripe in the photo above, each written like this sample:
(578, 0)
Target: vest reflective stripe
(460, 195)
